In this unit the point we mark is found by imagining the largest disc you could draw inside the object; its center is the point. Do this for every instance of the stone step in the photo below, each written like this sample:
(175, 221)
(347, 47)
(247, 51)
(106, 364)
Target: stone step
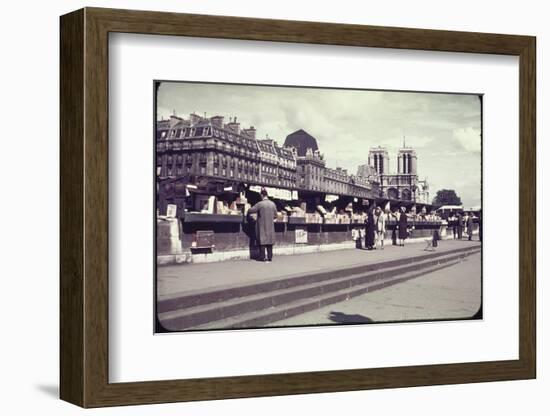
(186, 318)
(191, 299)
(261, 318)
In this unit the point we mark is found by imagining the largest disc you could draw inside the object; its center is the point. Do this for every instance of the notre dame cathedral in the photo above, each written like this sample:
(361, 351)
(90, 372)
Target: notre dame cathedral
(404, 184)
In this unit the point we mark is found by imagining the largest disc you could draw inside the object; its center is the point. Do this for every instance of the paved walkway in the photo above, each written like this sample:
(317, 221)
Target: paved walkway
(450, 293)
(198, 277)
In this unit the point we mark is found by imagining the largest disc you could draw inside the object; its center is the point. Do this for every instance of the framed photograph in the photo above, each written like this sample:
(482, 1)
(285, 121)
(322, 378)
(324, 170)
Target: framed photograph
(254, 207)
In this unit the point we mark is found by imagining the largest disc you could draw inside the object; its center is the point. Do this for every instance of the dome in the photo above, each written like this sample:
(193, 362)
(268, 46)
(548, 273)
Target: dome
(302, 141)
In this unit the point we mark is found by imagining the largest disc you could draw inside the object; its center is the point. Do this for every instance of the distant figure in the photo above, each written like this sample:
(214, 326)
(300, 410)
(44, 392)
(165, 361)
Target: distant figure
(459, 225)
(452, 218)
(432, 243)
(357, 237)
(480, 226)
(435, 238)
(380, 227)
(371, 229)
(265, 226)
(395, 217)
(403, 233)
(470, 226)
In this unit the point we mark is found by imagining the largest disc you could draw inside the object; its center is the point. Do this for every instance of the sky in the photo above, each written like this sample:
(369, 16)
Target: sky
(444, 129)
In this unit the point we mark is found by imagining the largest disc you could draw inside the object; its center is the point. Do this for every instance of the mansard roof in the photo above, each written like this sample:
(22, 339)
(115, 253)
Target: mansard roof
(302, 141)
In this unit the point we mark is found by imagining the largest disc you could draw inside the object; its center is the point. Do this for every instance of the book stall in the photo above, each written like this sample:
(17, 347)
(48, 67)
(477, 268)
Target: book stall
(215, 218)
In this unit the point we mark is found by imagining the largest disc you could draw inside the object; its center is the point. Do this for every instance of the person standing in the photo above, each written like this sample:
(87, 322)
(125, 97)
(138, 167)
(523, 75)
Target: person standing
(394, 216)
(265, 226)
(459, 225)
(403, 233)
(480, 226)
(470, 225)
(452, 219)
(371, 229)
(380, 227)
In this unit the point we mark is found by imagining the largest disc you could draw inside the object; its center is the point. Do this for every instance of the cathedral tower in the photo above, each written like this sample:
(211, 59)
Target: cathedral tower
(379, 160)
(406, 161)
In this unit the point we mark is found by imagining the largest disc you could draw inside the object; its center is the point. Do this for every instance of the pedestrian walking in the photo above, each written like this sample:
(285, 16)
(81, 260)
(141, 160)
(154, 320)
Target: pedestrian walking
(265, 226)
(480, 226)
(371, 229)
(470, 226)
(402, 225)
(459, 225)
(356, 236)
(452, 220)
(380, 227)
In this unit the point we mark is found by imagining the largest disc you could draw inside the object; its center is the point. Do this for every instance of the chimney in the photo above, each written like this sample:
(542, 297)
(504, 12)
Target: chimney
(194, 118)
(251, 131)
(233, 125)
(174, 120)
(217, 121)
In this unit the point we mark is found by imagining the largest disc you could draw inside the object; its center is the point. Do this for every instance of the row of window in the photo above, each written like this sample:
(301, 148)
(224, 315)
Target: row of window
(206, 132)
(232, 163)
(277, 181)
(251, 167)
(186, 132)
(269, 169)
(232, 137)
(231, 173)
(290, 163)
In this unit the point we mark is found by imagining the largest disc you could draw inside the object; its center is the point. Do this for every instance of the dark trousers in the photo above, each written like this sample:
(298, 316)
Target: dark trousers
(263, 248)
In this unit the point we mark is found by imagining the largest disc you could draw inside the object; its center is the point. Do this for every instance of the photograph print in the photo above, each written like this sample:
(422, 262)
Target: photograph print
(296, 206)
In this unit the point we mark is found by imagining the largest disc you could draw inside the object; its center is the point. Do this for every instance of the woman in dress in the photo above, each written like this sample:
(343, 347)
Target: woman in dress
(380, 227)
(403, 233)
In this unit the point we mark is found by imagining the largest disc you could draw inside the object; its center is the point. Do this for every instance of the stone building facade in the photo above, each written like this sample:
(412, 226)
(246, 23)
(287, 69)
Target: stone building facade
(207, 150)
(206, 147)
(314, 175)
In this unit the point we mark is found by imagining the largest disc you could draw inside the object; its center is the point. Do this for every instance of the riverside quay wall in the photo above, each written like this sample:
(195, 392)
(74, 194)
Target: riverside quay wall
(199, 238)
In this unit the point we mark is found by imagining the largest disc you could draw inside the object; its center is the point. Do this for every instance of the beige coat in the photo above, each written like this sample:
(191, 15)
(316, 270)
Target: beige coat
(265, 227)
(381, 223)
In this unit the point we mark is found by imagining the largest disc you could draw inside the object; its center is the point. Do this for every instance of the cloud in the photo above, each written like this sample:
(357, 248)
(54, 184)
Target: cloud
(469, 138)
(443, 128)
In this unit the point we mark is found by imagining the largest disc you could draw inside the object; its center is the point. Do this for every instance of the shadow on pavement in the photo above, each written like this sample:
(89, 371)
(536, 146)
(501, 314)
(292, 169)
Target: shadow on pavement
(49, 390)
(343, 318)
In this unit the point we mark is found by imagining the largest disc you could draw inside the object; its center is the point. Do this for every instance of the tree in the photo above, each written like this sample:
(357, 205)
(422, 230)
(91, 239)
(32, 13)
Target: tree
(446, 197)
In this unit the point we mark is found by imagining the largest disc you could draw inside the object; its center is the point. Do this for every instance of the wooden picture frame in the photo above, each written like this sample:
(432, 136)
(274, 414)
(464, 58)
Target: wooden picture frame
(84, 207)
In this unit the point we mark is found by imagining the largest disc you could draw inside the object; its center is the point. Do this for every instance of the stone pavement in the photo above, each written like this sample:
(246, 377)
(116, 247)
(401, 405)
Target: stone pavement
(194, 278)
(450, 293)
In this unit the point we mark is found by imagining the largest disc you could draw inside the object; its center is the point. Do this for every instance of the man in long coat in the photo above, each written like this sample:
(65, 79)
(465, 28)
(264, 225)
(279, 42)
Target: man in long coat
(370, 234)
(265, 227)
